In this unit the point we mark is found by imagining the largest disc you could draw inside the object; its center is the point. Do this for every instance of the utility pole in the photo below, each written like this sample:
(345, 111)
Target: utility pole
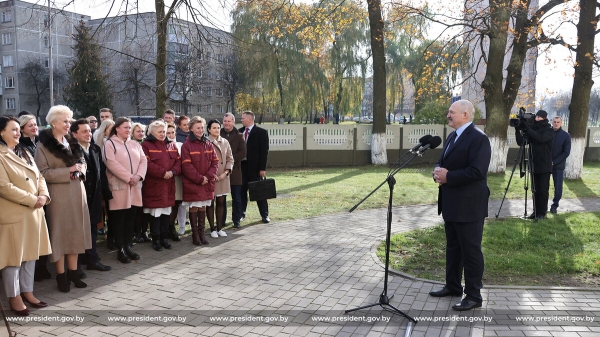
(50, 66)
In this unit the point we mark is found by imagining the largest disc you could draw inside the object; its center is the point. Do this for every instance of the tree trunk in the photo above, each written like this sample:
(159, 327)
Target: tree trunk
(379, 139)
(162, 23)
(582, 87)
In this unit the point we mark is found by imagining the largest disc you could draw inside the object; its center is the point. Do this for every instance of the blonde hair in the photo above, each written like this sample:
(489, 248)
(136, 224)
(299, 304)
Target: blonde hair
(99, 139)
(197, 119)
(137, 125)
(56, 112)
(155, 125)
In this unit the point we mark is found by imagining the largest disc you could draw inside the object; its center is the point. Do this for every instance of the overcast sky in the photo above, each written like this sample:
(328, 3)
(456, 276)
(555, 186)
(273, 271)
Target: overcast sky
(555, 69)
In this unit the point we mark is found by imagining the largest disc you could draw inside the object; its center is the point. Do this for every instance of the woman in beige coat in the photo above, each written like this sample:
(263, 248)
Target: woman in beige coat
(23, 231)
(61, 162)
(222, 187)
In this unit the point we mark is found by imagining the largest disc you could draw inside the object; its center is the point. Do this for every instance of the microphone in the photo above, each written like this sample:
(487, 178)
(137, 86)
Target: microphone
(424, 140)
(431, 144)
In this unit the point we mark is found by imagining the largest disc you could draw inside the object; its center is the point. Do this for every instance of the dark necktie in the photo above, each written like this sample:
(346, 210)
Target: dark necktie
(246, 135)
(452, 138)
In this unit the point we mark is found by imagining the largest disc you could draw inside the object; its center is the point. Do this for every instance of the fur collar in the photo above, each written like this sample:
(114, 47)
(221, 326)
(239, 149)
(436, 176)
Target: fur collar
(69, 157)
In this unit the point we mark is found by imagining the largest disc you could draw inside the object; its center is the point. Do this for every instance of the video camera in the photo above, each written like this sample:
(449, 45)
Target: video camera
(521, 120)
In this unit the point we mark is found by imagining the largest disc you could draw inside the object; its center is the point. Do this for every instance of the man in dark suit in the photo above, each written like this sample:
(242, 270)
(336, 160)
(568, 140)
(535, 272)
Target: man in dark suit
(254, 166)
(238, 148)
(461, 173)
(96, 184)
(561, 149)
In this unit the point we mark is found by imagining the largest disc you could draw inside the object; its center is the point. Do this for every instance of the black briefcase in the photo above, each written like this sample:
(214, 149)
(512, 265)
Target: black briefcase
(262, 190)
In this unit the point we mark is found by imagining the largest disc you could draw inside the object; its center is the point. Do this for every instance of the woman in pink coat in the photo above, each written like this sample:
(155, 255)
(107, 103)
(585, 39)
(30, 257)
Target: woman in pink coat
(125, 169)
(199, 164)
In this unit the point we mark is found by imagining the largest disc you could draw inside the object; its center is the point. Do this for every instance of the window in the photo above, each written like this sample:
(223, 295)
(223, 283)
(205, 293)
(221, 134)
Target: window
(7, 38)
(219, 76)
(199, 109)
(219, 58)
(46, 41)
(46, 21)
(9, 103)
(219, 92)
(180, 48)
(200, 73)
(9, 82)
(7, 17)
(209, 109)
(7, 60)
(208, 91)
(219, 109)
(219, 40)
(209, 56)
(47, 62)
(200, 55)
(171, 29)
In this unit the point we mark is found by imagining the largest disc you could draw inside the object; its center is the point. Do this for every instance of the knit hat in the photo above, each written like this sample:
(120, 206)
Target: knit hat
(25, 119)
(542, 113)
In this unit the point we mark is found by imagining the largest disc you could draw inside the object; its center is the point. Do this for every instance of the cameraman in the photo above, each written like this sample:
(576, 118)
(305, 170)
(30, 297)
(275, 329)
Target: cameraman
(541, 138)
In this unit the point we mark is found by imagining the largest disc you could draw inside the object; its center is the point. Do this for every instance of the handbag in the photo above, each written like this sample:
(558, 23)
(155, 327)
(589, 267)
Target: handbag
(262, 189)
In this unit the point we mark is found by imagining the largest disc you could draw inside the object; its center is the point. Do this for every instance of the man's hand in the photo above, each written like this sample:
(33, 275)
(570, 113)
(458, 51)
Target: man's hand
(439, 174)
(262, 173)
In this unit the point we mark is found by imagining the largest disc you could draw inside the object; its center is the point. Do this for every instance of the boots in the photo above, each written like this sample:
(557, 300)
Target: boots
(156, 243)
(164, 242)
(173, 234)
(73, 276)
(194, 225)
(201, 227)
(63, 283)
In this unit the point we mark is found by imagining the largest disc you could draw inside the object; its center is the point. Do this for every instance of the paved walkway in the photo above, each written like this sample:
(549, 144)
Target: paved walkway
(293, 273)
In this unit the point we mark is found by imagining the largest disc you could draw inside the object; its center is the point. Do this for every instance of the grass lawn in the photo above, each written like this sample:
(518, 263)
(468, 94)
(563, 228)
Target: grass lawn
(563, 250)
(318, 191)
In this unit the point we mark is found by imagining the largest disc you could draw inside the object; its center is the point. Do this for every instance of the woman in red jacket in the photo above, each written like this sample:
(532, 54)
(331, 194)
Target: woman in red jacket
(158, 192)
(199, 164)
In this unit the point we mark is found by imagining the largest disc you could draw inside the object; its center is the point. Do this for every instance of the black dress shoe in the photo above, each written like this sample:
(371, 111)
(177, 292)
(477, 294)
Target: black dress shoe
(266, 219)
(38, 305)
(41, 274)
(81, 274)
(532, 216)
(98, 266)
(444, 292)
(122, 257)
(541, 217)
(132, 255)
(145, 237)
(236, 225)
(466, 304)
(553, 210)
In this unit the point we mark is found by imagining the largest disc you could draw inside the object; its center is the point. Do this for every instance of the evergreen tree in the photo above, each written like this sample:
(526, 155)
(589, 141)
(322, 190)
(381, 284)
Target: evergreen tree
(88, 89)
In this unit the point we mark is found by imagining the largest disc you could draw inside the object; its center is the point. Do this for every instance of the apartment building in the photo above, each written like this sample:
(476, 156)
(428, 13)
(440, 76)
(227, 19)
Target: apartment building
(25, 39)
(198, 61)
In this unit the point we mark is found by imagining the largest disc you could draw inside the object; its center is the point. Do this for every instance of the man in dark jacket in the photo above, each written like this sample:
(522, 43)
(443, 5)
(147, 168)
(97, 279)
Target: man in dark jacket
(560, 151)
(95, 184)
(254, 166)
(238, 148)
(541, 137)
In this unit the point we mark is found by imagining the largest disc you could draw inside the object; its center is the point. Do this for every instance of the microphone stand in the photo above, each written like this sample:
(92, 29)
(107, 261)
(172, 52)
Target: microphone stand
(384, 299)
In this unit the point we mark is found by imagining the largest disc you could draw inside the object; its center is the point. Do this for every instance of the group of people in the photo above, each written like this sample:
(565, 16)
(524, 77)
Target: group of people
(461, 173)
(61, 184)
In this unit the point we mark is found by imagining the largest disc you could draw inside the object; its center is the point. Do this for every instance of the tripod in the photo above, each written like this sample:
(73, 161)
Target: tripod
(525, 160)
(384, 299)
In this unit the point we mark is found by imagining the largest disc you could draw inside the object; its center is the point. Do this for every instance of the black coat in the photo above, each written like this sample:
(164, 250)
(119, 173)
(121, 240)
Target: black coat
(561, 149)
(238, 149)
(257, 150)
(29, 145)
(464, 198)
(96, 184)
(541, 138)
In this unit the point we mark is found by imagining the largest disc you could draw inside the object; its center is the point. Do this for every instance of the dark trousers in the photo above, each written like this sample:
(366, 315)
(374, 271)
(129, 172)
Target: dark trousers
(236, 204)
(463, 251)
(541, 183)
(558, 176)
(91, 256)
(263, 206)
(121, 224)
(160, 226)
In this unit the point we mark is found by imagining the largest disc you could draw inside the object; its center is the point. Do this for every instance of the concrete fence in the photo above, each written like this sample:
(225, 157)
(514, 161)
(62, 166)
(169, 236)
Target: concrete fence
(297, 145)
